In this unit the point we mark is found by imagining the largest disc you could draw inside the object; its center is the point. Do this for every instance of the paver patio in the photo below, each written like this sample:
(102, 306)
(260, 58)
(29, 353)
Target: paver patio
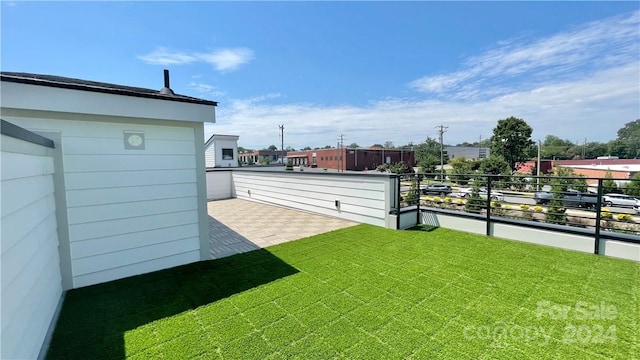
(237, 226)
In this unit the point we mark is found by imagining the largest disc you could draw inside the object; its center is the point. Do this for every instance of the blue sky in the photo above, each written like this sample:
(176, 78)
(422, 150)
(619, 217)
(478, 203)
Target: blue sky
(373, 71)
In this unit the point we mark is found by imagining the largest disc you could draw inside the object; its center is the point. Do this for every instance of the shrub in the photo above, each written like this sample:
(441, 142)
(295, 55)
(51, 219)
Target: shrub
(606, 215)
(624, 217)
(524, 207)
(537, 208)
(556, 213)
(475, 202)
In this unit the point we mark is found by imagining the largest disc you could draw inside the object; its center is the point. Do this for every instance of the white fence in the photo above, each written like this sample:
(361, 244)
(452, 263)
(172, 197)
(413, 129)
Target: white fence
(31, 280)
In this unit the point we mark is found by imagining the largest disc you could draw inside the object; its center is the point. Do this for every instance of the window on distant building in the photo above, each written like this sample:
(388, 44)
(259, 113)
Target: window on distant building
(227, 154)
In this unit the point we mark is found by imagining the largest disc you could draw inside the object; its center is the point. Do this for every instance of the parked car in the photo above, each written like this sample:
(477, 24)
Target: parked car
(570, 198)
(435, 189)
(636, 207)
(466, 193)
(618, 200)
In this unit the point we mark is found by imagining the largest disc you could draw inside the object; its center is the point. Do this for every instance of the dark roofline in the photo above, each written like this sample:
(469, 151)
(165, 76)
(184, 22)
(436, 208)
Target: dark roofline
(100, 87)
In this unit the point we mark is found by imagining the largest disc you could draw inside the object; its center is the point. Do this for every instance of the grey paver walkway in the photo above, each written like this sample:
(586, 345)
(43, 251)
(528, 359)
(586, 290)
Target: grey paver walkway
(237, 226)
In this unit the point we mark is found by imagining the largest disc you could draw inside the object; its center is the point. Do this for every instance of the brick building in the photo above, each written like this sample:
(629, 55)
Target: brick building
(350, 159)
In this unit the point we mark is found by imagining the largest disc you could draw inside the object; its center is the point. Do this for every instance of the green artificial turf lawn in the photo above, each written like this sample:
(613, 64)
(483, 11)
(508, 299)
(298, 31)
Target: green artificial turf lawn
(365, 292)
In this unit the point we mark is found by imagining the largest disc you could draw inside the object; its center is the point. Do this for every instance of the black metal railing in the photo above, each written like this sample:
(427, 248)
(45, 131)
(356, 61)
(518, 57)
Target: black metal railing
(596, 205)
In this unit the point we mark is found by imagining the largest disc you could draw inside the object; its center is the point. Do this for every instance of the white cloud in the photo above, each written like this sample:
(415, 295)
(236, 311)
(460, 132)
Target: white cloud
(227, 59)
(517, 63)
(164, 56)
(593, 108)
(581, 83)
(206, 90)
(221, 59)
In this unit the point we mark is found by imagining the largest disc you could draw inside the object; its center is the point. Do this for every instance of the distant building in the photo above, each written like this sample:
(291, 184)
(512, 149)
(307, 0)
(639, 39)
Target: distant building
(469, 152)
(620, 169)
(350, 159)
(255, 156)
(221, 151)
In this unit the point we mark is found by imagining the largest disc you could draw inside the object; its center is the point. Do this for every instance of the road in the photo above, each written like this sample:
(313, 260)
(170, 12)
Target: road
(523, 199)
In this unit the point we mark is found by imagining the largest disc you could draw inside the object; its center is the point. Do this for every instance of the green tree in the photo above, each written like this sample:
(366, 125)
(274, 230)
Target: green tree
(388, 144)
(627, 144)
(512, 140)
(630, 131)
(574, 184)
(608, 185)
(460, 170)
(306, 148)
(250, 161)
(633, 187)
(555, 148)
(265, 160)
(353, 146)
(427, 155)
(272, 148)
(428, 164)
(494, 165)
(377, 146)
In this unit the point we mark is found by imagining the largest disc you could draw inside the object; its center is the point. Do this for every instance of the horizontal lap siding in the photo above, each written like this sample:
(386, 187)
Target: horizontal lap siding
(210, 156)
(129, 211)
(219, 185)
(31, 282)
(361, 199)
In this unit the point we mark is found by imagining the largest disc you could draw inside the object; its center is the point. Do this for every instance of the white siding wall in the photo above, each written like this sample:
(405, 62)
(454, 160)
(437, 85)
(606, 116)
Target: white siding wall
(210, 156)
(362, 198)
(219, 185)
(129, 211)
(31, 281)
(226, 144)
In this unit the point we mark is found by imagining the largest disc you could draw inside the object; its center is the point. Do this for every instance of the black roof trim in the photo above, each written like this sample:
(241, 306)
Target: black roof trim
(95, 86)
(15, 131)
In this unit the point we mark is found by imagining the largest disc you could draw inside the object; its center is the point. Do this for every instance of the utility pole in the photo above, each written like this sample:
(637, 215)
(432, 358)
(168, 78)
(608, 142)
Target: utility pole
(340, 146)
(441, 129)
(281, 127)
